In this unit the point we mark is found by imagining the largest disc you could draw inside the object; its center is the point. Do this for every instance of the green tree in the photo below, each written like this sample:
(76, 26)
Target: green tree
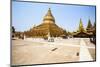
(13, 29)
(94, 25)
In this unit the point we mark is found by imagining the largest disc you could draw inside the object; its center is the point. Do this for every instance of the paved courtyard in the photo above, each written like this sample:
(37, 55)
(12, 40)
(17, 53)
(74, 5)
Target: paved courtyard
(39, 51)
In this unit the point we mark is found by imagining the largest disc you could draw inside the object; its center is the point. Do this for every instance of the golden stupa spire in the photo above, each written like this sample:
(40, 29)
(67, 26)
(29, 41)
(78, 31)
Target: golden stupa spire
(81, 28)
(49, 12)
(48, 18)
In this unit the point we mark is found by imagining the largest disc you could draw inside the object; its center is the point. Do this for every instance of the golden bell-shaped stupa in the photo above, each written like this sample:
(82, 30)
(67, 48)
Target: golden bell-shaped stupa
(48, 18)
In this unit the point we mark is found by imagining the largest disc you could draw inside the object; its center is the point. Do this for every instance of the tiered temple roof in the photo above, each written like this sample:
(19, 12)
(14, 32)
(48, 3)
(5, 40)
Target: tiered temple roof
(82, 32)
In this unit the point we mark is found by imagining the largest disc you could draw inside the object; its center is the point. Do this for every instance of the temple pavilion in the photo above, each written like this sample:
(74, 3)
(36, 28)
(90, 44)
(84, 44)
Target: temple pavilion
(48, 26)
(82, 32)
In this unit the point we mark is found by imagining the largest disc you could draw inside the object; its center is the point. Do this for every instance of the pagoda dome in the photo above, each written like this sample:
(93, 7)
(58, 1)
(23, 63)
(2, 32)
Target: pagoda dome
(48, 18)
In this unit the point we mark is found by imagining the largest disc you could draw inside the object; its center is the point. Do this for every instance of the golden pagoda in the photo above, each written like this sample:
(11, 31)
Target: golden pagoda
(47, 26)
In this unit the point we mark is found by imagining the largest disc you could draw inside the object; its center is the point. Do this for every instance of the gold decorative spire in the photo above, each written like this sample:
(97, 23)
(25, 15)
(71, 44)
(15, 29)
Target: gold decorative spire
(48, 18)
(81, 28)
